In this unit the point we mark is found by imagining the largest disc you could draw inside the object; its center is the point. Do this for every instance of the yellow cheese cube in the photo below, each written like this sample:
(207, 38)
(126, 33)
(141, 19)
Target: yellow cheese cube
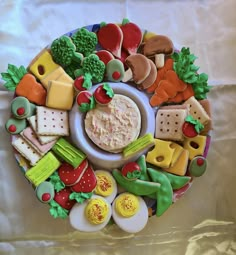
(180, 167)
(42, 65)
(60, 95)
(162, 154)
(195, 146)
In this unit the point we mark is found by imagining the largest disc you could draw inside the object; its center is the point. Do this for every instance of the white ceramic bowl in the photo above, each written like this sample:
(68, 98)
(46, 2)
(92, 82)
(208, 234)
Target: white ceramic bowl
(98, 157)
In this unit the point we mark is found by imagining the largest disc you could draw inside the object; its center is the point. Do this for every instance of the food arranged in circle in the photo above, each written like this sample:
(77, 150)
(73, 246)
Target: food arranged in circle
(110, 122)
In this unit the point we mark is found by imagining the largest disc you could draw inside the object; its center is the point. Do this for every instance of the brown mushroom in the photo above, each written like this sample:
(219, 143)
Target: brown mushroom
(158, 46)
(151, 77)
(139, 68)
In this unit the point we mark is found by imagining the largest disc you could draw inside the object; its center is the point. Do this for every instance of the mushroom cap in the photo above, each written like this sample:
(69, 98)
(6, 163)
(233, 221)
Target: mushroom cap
(140, 67)
(158, 44)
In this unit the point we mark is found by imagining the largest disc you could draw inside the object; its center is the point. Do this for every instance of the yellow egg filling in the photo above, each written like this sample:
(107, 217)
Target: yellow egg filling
(96, 211)
(104, 185)
(127, 205)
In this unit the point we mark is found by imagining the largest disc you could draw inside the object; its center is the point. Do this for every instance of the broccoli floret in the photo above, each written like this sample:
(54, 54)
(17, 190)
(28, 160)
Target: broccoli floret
(85, 41)
(63, 51)
(94, 66)
(70, 70)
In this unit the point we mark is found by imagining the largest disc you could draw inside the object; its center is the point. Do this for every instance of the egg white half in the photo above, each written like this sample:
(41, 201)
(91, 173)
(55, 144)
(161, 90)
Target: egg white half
(134, 223)
(79, 221)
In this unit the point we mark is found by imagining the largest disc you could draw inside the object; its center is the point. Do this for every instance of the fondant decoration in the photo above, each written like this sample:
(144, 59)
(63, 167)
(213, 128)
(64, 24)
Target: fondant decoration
(26, 150)
(84, 41)
(110, 37)
(141, 161)
(43, 65)
(106, 185)
(29, 135)
(93, 66)
(180, 167)
(167, 89)
(80, 197)
(139, 68)
(15, 126)
(165, 193)
(83, 82)
(60, 95)
(85, 100)
(56, 181)
(21, 108)
(131, 171)
(161, 155)
(103, 94)
(137, 187)
(195, 146)
(43, 169)
(70, 175)
(45, 192)
(150, 78)
(177, 182)
(64, 51)
(87, 183)
(132, 36)
(197, 166)
(187, 71)
(94, 213)
(68, 152)
(191, 127)
(115, 70)
(169, 124)
(142, 143)
(197, 111)
(105, 56)
(52, 121)
(130, 212)
(24, 84)
(44, 139)
(56, 75)
(182, 96)
(161, 74)
(112, 127)
(62, 204)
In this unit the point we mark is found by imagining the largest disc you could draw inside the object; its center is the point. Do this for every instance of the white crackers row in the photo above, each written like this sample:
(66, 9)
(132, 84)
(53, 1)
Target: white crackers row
(170, 119)
(45, 128)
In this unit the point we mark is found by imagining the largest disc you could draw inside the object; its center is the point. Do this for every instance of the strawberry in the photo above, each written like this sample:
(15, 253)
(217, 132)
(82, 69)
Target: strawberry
(110, 37)
(62, 198)
(132, 36)
(85, 101)
(83, 82)
(87, 182)
(191, 127)
(70, 175)
(103, 94)
(131, 171)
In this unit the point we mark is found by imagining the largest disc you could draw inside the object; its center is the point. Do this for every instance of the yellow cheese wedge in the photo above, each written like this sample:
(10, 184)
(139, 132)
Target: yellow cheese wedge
(57, 75)
(178, 150)
(180, 167)
(60, 95)
(42, 65)
(195, 146)
(162, 154)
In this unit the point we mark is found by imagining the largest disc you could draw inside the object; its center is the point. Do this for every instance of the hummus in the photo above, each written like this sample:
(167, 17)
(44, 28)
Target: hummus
(112, 127)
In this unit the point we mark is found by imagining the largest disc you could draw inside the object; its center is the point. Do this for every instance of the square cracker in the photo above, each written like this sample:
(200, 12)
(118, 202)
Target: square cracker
(25, 149)
(52, 121)
(43, 139)
(169, 124)
(197, 111)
